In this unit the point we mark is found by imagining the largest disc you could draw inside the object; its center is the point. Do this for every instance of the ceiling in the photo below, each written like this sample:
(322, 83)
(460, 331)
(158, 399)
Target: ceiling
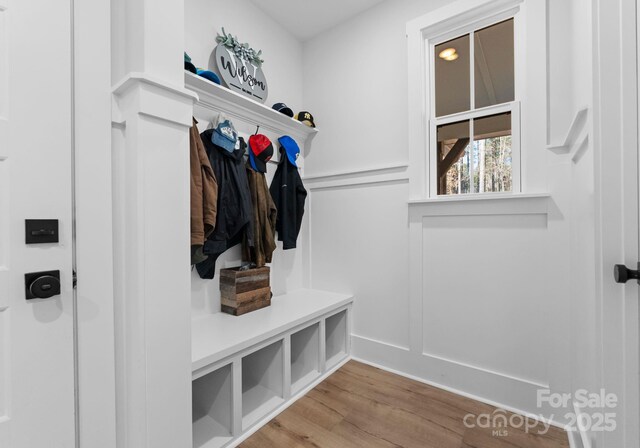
(306, 19)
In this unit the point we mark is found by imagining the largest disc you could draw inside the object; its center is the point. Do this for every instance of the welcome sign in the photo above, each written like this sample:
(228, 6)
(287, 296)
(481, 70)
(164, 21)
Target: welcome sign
(241, 75)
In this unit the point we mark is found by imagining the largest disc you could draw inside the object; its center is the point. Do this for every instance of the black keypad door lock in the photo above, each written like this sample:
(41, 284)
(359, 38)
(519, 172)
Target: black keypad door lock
(42, 285)
(41, 231)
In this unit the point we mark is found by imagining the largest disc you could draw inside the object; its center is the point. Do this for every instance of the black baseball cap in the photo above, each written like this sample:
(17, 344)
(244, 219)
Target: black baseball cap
(283, 109)
(306, 118)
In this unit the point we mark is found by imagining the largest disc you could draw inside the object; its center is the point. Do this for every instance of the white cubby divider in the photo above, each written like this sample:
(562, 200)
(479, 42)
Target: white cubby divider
(336, 338)
(248, 369)
(305, 357)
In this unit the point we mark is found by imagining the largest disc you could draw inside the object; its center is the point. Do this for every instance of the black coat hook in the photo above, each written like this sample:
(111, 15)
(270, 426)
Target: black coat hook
(257, 129)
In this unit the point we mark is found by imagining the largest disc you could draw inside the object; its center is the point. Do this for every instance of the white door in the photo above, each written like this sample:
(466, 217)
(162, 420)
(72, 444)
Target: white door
(618, 314)
(36, 336)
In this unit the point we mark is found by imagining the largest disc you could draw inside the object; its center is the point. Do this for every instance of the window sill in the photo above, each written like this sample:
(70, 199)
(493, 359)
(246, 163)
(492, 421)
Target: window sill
(480, 197)
(483, 204)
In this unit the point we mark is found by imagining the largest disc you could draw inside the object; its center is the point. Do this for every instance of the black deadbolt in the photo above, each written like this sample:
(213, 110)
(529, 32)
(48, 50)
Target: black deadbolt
(42, 285)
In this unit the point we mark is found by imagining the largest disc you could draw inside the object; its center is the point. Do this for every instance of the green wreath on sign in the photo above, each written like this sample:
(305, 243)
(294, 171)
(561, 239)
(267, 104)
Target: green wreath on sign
(242, 51)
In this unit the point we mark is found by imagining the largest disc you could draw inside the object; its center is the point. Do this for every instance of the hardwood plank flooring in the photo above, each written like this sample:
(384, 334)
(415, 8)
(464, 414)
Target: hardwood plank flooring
(363, 407)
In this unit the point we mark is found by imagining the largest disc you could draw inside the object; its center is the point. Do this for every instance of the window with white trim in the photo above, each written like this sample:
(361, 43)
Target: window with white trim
(475, 124)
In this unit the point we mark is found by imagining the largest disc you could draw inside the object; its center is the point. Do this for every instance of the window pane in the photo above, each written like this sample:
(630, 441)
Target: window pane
(454, 158)
(494, 66)
(492, 154)
(453, 77)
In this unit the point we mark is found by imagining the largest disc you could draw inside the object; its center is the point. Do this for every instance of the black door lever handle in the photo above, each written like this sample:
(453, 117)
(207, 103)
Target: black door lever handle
(623, 274)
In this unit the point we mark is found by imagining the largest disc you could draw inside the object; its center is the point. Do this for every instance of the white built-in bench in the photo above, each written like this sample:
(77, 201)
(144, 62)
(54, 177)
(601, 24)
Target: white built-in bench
(247, 369)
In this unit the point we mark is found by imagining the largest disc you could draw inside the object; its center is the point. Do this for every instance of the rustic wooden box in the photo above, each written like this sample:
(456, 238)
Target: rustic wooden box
(244, 291)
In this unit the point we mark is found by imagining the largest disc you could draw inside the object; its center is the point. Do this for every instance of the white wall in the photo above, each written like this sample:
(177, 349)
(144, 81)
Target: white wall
(356, 87)
(493, 312)
(283, 69)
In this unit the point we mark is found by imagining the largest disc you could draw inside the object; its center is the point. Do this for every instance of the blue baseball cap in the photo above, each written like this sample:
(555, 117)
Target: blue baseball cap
(291, 149)
(207, 74)
(225, 136)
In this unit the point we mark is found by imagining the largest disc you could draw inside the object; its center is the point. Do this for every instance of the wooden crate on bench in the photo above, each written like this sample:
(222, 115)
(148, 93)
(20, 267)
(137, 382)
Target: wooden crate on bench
(244, 291)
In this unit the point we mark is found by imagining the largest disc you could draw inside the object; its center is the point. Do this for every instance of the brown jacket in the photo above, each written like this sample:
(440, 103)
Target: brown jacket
(264, 221)
(204, 190)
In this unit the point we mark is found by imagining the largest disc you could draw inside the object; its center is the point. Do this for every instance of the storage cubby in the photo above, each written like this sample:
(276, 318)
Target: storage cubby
(212, 409)
(305, 357)
(336, 338)
(262, 383)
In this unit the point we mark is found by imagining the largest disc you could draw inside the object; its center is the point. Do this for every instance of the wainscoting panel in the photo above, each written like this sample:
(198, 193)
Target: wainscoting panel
(481, 300)
(359, 245)
(457, 292)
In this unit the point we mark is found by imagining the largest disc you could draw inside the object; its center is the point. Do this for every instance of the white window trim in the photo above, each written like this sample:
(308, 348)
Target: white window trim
(423, 34)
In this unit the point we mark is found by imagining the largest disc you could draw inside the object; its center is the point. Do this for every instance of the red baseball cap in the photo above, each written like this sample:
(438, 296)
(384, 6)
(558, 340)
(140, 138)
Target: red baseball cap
(260, 152)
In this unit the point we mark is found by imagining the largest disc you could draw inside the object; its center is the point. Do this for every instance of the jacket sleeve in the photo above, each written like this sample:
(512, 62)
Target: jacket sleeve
(197, 214)
(300, 198)
(276, 195)
(288, 213)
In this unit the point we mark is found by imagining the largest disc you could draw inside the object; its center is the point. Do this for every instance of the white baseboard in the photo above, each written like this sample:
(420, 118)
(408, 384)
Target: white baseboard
(498, 388)
(461, 393)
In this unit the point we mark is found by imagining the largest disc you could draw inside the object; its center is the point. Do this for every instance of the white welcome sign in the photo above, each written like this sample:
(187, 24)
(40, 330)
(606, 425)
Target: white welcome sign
(240, 75)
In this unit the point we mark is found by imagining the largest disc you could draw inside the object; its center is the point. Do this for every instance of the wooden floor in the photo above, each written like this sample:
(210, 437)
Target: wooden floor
(361, 406)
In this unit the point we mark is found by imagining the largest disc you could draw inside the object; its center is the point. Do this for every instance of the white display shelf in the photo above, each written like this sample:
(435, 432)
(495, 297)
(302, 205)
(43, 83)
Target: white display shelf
(218, 336)
(305, 357)
(336, 338)
(213, 97)
(212, 409)
(262, 383)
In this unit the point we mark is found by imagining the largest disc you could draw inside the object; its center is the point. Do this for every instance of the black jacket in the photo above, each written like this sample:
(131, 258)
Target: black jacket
(233, 222)
(289, 195)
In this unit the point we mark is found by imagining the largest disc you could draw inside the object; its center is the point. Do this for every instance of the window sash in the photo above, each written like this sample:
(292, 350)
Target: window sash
(472, 113)
(512, 107)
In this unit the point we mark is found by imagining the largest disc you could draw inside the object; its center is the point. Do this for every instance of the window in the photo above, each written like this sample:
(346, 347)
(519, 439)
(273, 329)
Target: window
(475, 145)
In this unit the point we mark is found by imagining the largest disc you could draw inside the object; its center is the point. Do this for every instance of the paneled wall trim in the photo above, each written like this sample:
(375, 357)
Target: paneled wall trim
(151, 201)
(573, 133)
(368, 176)
(497, 225)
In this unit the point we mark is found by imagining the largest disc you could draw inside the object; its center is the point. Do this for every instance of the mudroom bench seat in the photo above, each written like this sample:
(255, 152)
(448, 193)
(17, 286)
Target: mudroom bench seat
(247, 369)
